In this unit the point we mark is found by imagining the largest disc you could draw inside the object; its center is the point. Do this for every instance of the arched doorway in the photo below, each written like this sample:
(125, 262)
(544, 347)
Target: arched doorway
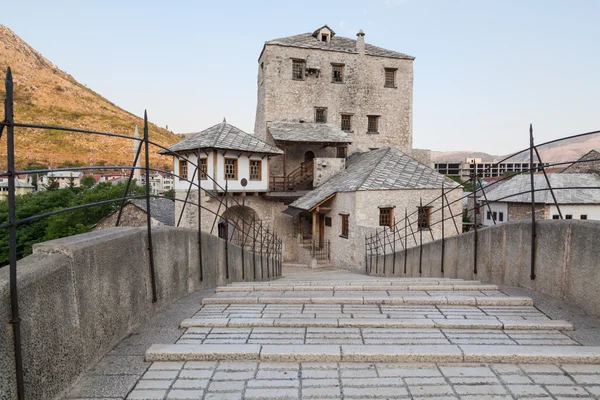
(309, 156)
(237, 224)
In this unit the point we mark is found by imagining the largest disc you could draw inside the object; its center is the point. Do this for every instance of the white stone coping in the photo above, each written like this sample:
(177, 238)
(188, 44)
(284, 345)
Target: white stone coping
(376, 353)
(500, 324)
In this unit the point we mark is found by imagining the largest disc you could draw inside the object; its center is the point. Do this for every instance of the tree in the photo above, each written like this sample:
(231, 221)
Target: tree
(62, 224)
(170, 193)
(52, 184)
(88, 181)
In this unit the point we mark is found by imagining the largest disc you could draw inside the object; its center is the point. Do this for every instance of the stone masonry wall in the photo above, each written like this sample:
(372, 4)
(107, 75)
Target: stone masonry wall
(362, 94)
(325, 168)
(131, 216)
(267, 211)
(522, 211)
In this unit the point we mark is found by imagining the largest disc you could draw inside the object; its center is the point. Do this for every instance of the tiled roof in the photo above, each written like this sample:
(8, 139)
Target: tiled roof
(337, 43)
(517, 189)
(307, 132)
(162, 210)
(223, 136)
(383, 169)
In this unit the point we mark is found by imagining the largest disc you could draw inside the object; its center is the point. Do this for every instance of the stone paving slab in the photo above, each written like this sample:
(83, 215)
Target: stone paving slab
(366, 335)
(354, 380)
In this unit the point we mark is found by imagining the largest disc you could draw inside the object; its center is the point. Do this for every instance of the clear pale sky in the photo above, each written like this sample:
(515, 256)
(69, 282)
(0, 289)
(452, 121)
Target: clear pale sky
(483, 71)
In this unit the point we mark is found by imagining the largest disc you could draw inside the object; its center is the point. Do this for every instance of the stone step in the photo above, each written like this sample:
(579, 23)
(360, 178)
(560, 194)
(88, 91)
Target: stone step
(375, 353)
(392, 281)
(415, 300)
(500, 324)
(412, 287)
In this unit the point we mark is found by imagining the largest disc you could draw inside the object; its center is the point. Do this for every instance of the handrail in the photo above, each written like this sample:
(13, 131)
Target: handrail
(294, 178)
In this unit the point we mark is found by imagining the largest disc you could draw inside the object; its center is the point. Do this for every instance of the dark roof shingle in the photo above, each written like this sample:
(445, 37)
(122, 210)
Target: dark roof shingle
(223, 136)
(337, 43)
(307, 132)
(383, 169)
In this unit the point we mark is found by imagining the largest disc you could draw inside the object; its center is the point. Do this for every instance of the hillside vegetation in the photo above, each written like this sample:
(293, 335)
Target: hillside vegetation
(46, 95)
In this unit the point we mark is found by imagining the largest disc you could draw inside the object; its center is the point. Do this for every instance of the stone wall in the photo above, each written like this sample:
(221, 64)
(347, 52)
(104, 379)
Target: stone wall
(131, 216)
(80, 296)
(267, 211)
(361, 94)
(522, 211)
(325, 168)
(363, 209)
(566, 259)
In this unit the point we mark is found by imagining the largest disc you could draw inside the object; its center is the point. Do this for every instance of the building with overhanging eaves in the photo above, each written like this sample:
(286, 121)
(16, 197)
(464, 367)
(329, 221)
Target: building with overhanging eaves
(334, 128)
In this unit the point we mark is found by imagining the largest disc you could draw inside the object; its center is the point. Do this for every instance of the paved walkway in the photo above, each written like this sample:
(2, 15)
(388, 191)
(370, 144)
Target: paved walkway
(331, 334)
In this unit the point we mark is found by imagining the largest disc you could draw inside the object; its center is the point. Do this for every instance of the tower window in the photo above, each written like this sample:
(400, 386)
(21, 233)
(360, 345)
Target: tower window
(346, 122)
(386, 216)
(337, 73)
(373, 124)
(321, 115)
(390, 77)
(324, 37)
(298, 67)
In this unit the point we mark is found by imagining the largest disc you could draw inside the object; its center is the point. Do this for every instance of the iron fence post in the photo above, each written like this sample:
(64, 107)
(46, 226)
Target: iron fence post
(243, 232)
(475, 210)
(268, 263)
(420, 227)
(533, 226)
(394, 247)
(254, 246)
(384, 248)
(443, 232)
(15, 319)
(200, 220)
(405, 240)
(366, 265)
(148, 210)
(226, 230)
(262, 271)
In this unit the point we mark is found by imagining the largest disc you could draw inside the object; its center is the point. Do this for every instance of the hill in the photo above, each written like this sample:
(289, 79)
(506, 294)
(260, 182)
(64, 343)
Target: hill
(562, 151)
(46, 95)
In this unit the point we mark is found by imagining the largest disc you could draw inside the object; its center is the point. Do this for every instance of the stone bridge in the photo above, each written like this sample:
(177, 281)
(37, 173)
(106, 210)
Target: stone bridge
(94, 334)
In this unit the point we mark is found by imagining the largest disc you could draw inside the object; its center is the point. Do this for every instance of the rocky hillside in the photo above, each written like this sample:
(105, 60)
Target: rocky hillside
(46, 95)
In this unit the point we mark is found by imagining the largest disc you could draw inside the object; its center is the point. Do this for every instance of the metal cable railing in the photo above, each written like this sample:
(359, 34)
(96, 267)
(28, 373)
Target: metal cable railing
(438, 214)
(261, 241)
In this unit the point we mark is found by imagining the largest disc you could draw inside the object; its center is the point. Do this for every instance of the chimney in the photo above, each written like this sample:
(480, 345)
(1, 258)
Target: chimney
(360, 42)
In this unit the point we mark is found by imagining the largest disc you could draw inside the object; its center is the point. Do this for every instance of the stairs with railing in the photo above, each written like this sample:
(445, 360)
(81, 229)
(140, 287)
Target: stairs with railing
(296, 178)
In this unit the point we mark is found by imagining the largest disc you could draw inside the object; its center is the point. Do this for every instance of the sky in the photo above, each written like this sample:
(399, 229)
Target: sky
(483, 71)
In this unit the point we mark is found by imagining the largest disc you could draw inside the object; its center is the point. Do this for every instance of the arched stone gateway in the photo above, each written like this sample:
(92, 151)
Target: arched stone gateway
(236, 221)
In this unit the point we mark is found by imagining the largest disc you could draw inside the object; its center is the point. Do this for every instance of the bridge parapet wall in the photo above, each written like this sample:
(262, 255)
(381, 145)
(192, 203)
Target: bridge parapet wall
(80, 296)
(567, 258)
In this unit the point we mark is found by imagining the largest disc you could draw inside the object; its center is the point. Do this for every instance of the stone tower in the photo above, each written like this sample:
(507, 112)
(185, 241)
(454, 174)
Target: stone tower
(321, 77)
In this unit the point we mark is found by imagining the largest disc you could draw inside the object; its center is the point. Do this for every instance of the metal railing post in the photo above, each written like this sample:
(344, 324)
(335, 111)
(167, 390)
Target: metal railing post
(394, 248)
(243, 233)
(226, 230)
(15, 318)
(533, 226)
(420, 227)
(149, 211)
(475, 209)
(443, 232)
(254, 246)
(200, 221)
(262, 271)
(405, 240)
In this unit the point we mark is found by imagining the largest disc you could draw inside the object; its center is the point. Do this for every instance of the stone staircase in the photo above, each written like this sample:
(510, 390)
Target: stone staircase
(362, 319)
